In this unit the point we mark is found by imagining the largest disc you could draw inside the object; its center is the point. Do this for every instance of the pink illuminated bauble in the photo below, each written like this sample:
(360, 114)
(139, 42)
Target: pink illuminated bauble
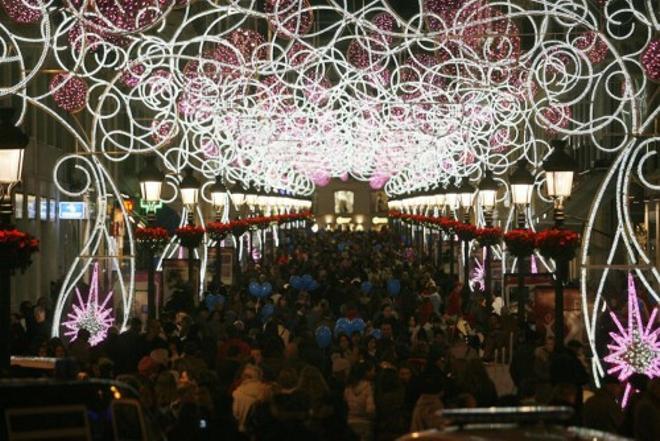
(219, 64)
(69, 92)
(386, 23)
(445, 9)
(289, 18)
(133, 75)
(558, 117)
(298, 54)
(344, 177)
(378, 181)
(593, 45)
(21, 12)
(419, 67)
(249, 43)
(499, 141)
(365, 53)
(651, 60)
(316, 89)
(320, 179)
(163, 131)
(120, 16)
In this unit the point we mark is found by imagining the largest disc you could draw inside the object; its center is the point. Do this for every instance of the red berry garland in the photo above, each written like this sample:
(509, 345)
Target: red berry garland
(190, 236)
(520, 243)
(558, 243)
(154, 238)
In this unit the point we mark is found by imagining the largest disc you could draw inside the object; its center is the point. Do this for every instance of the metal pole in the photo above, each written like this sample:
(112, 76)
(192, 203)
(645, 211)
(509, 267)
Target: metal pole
(522, 295)
(451, 254)
(218, 263)
(559, 304)
(151, 286)
(5, 319)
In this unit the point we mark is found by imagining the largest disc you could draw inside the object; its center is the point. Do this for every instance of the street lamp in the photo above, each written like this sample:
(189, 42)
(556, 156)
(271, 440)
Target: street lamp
(218, 193)
(13, 142)
(189, 193)
(522, 187)
(151, 184)
(451, 197)
(465, 192)
(488, 196)
(559, 171)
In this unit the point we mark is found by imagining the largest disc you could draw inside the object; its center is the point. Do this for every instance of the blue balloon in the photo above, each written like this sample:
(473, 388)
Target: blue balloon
(376, 334)
(267, 310)
(323, 336)
(393, 287)
(343, 322)
(266, 289)
(255, 289)
(366, 287)
(358, 325)
(307, 278)
(214, 299)
(343, 328)
(313, 286)
(296, 282)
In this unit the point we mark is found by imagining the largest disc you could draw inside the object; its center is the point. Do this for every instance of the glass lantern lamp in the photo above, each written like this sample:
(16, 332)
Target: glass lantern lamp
(559, 170)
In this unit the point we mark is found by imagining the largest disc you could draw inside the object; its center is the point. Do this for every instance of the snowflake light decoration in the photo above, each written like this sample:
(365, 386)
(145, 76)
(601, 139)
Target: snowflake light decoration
(92, 314)
(478, 274)
(635, 348)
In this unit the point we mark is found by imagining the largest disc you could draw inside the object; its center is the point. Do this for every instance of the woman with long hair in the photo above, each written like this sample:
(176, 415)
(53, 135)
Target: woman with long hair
(359, 397)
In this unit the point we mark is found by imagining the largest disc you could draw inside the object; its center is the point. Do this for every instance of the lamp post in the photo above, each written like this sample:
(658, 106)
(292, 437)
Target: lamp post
(220, 203)
(465, 192)
(451, 202)
(189, 188)
(13, 142)
(488, 198)
(522, 186)
(559, 170)
(151, 184)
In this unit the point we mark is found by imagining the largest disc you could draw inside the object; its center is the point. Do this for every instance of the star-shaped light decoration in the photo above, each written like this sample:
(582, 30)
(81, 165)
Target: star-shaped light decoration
(478, 275)
(91, 314)
(635, 349)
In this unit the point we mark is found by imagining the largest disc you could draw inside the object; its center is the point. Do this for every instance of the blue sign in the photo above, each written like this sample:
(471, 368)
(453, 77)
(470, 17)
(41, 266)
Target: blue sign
(73, 210)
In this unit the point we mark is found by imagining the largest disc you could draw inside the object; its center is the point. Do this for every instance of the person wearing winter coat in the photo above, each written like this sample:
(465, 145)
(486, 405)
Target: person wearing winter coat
(251, 390)
(359, 397)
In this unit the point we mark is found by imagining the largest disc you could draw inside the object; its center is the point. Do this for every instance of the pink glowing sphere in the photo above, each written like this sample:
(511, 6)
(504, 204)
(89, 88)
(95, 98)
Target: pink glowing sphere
(558, 117)
(593, 45)
(69, 92)
(120, 16)
(289, 18)
(320, 178)
(378, 181)
(249, 43)
(21, 12)
(163, 131)
(651, 60)
(133, 75)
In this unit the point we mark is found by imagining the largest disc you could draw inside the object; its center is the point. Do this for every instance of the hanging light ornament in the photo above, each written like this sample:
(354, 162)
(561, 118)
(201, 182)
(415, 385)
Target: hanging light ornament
(635, 348)
(69, 92)
(593, 45)
(22, 11)
(555, 118)
(289, 18)
(249, 43)
(92, 314)
(651, 60)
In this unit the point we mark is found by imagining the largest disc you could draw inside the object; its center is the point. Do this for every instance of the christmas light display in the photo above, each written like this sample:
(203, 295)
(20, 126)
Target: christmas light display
(635, 348)
(288, 94)
(91, 314)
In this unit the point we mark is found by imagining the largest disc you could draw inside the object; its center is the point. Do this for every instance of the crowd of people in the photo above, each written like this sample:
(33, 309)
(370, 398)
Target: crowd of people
(254, 367)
